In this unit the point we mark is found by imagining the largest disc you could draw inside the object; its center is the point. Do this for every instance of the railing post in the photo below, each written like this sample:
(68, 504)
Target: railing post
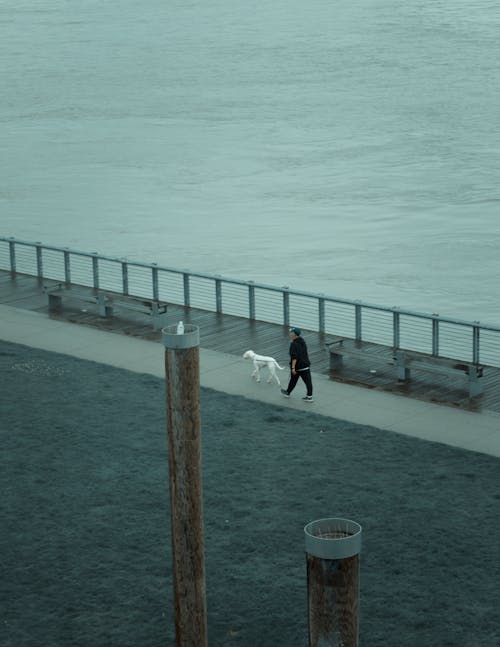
(12, 254)
(182, 373)
(67, 266)
(357, 314)
(435, 334)
(218, 295)
(39, 260)
(332, 550)
(124, 277)
(475, 342)
(187, 295)
(395, 329)
(154, 277)
(251, 300)
(321, 314)
(286, 305)
(95, 270)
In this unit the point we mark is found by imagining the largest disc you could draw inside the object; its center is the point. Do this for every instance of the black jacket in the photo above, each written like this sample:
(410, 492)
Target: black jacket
(298, 351)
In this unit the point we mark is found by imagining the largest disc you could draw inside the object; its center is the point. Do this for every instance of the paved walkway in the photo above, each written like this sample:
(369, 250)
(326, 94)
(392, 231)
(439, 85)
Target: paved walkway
(230, 374)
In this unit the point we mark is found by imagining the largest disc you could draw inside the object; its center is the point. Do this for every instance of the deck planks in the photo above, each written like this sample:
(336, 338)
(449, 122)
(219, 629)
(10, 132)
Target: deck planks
(234, 335)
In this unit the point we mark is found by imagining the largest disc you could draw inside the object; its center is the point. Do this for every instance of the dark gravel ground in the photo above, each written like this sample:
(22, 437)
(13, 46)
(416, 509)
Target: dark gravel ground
(85, 534)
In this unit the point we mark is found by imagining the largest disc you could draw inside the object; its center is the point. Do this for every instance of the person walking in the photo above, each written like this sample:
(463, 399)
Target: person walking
(300, 366)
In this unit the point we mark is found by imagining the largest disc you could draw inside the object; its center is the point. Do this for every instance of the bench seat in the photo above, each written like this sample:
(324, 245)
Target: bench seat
(106, 301)
(404, 361)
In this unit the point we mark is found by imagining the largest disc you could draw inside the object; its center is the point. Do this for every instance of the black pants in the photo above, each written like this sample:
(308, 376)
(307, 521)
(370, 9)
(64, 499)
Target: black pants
(306, 376)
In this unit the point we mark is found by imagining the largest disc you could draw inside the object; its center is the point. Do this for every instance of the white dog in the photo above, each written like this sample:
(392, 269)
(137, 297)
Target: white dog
(259, 361)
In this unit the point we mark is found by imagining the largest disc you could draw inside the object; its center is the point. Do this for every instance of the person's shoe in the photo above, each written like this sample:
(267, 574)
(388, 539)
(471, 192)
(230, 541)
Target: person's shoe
(284, 393)
(308, 398)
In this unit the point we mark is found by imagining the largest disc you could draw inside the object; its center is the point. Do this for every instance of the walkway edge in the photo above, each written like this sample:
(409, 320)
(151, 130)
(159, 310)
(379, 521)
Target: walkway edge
(231, 374)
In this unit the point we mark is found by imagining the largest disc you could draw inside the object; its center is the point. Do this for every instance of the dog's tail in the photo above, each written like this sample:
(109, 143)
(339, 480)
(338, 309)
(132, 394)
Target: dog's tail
(281, 368)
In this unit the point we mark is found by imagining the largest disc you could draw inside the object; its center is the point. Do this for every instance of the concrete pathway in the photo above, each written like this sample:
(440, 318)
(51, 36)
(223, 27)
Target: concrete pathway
(231, 374)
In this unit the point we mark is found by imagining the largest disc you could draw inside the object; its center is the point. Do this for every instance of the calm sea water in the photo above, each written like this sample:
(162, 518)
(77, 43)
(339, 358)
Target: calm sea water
(347, 148)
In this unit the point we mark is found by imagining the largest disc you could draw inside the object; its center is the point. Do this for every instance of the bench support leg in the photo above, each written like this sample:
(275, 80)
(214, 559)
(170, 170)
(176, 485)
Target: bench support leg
(103, 307)
(159, 321)
(475, 384)
(55, 303)
(336, 361)
(159, 316)
(401, 366)
(403, 373)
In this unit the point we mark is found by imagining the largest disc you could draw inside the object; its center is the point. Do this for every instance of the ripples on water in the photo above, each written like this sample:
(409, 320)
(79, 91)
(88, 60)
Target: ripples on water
(348, 149)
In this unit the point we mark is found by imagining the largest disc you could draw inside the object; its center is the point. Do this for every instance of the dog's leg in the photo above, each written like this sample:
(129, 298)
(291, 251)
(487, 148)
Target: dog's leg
(256, 373)
(272, 373)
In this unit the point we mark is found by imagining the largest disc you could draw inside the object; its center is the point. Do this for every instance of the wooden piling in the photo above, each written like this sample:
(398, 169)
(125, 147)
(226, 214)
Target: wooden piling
(182, 375)
(332, 549)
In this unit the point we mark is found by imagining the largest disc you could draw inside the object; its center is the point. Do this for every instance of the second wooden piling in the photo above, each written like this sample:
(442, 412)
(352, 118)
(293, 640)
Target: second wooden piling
(332, 547)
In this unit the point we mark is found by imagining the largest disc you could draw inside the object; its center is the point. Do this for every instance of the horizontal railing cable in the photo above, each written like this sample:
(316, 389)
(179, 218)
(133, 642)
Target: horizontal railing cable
(469, 341)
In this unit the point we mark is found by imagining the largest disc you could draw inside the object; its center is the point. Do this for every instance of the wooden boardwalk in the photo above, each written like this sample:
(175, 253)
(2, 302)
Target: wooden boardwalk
(235, 335)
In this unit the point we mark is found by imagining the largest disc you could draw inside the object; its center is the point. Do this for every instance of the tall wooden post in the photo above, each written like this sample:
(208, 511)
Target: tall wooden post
(182, 372)
(332, 548)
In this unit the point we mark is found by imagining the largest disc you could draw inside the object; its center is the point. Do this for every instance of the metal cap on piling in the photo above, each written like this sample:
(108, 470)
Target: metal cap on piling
(188, 339)
(333, 538)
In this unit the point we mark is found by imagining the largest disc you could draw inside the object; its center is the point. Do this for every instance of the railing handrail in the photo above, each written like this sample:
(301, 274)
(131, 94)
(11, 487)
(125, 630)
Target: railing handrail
(395, 327)
(261, 286)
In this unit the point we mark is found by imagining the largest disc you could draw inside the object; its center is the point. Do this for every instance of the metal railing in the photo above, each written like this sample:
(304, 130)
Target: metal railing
(468, 341)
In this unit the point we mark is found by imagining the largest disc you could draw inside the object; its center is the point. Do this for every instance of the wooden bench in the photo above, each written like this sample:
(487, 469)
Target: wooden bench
(338, 349)
(404, 361)
(106, 301)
